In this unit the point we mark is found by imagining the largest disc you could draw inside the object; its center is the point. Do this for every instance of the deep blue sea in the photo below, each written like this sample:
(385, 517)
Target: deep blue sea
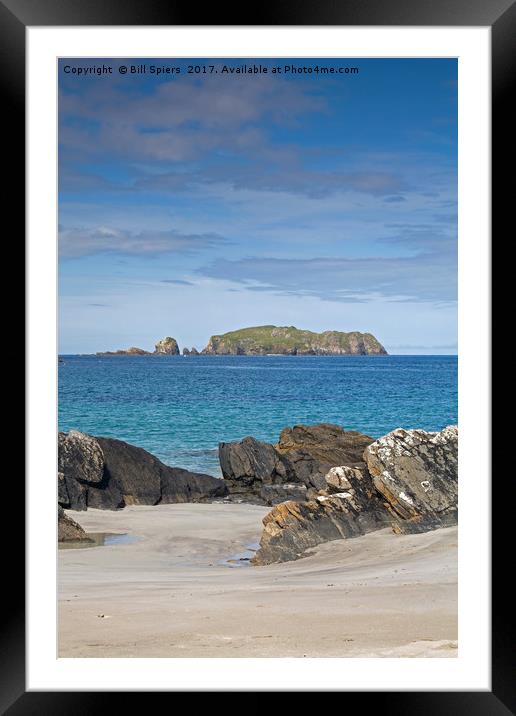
(180, 408)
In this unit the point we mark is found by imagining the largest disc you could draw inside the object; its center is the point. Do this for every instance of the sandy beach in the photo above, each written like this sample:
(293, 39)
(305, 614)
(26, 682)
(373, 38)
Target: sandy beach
(182, 591)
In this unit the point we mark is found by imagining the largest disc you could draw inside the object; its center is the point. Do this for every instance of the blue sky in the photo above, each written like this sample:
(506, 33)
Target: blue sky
(197, 204)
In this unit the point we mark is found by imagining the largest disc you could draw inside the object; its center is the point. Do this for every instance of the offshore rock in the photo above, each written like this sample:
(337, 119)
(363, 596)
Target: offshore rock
(133, 351)
(167, 347)
(416, 472)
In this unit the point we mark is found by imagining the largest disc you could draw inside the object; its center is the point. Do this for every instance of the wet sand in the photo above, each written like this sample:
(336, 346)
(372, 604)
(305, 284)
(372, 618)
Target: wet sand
(179, 591)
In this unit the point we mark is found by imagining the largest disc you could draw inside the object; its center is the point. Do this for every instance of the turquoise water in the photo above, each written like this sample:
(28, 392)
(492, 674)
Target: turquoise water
(181, 408)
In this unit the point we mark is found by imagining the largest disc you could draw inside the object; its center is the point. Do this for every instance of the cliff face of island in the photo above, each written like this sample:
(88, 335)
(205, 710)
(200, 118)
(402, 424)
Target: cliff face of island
(288, 340)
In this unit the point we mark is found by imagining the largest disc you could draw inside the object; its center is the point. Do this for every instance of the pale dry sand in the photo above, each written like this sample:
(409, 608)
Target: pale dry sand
(169, 595)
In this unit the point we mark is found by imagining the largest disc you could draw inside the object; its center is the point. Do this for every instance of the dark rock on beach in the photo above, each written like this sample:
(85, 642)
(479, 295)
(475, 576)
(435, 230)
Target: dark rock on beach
(69, 530)
(80, 464)
(248, 465)
(178, 485)
(110, 474)
(302, 457)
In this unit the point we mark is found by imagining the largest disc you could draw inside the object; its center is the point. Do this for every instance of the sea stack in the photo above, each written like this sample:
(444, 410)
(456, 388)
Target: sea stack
(167, 347)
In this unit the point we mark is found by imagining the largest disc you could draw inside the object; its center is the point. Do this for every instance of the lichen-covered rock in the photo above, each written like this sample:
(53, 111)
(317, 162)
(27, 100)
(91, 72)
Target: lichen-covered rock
(339, 479)
(80, 465)
(63, 497)
(416, 473)
(167, 347)
(80, 457)
(130, 476)
(69, 530)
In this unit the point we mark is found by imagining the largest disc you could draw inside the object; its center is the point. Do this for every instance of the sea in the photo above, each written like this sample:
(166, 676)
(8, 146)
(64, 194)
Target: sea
(179, 408)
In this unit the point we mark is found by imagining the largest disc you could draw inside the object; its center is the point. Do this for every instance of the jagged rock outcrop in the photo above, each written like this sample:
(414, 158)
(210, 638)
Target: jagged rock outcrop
(311, 450)
(408, 481)
(109, 474)
(348, 507)
(69, 530)
(192, 352)
(296, 466)
(167, 347)
(416, 472)
(251, 461)
(290, 528)
(289, 340)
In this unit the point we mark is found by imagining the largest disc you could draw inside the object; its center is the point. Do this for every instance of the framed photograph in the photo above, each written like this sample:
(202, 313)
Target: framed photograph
(258, 289)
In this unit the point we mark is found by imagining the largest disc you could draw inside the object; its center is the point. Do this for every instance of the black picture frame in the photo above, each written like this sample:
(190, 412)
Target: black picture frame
(500, 15)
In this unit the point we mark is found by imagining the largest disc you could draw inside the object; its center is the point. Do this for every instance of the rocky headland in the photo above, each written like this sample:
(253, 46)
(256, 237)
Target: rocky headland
(289, 340)
(325, 483)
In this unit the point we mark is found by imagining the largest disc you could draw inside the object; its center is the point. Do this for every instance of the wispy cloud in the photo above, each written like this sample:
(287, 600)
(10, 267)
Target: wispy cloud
(76, 242)
(277, 175)
(431, 277)
(177, 281)
(180, 120)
